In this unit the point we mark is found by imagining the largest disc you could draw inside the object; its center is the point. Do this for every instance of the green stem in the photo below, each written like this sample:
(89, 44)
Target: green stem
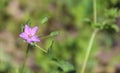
(46, 37)
(94, 12)
(26, 55)
(92, 37)
(88, 51)
(40, 48)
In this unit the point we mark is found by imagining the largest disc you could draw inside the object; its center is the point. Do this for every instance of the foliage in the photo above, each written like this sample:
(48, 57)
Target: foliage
(67, 24)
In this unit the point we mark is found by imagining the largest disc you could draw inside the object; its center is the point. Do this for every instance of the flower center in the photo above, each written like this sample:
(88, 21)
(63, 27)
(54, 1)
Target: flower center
(30, 35)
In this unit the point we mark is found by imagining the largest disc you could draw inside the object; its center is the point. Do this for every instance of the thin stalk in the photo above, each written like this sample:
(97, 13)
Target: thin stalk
(88, 51)
(46, 37)
(94, 12)
(26, 55)
(91, 39)
(40, 48)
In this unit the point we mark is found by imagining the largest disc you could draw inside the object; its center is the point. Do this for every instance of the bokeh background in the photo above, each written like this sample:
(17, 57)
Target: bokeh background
(73, 18)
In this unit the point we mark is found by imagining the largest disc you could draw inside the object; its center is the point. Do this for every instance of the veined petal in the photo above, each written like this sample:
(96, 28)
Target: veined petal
(29, 41)
(27, 29)
(23, 35)
(29, 34)
(35, 39)
(34, 30)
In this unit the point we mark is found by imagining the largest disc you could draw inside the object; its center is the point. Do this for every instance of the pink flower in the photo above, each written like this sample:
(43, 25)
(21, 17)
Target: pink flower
(29, 34)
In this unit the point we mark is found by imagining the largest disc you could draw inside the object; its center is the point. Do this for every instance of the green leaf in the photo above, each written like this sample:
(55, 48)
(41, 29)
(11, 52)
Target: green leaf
(64, 65)
(115, 27)
(98, 26)
(50, 50)
(22, 27)
(28, 22)
(45, 19)
(55, 33)
(52, 34)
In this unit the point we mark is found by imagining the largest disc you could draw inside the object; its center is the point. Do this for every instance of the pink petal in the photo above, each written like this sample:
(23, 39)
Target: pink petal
(35, 39)
(29, 41)
(34, 30)
(23, 35)
(27, 29)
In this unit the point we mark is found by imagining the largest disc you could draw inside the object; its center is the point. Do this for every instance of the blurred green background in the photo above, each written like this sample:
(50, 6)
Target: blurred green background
(73, 18)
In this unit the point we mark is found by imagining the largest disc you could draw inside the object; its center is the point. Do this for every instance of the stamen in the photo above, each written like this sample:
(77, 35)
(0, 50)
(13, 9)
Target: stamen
(30, 35)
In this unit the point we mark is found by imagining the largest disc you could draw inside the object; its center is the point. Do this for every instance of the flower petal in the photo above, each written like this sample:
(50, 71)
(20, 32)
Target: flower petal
(35, 39)
(34, 30)
(23, 35)
(29, 41)
(27, 29)
(29, 34)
